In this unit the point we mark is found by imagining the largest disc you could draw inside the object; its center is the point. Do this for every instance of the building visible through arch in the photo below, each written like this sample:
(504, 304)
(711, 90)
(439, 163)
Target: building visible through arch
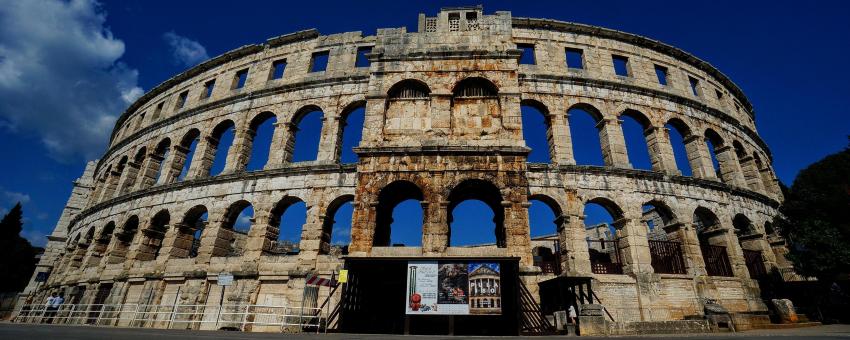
(191, 191)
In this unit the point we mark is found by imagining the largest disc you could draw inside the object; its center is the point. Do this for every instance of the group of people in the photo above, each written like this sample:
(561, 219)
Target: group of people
(52, 305)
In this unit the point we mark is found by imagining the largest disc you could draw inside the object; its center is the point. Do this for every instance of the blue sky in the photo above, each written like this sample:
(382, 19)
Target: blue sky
(68, 69)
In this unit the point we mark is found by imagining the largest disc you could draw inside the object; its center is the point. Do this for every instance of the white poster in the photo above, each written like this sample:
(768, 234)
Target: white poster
(453, 288)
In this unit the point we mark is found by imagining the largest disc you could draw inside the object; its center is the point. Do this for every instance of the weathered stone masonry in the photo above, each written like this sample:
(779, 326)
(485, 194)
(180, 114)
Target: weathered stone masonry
(442, 124)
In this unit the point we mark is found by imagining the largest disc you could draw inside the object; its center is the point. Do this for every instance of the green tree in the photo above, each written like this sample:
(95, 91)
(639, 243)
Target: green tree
(17, 256)
(816, 218)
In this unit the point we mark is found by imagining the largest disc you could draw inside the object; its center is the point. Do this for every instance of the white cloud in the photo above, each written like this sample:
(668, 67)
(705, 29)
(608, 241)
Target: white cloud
(60, 76)
(185, 51)
(11, 197)
(36, 237)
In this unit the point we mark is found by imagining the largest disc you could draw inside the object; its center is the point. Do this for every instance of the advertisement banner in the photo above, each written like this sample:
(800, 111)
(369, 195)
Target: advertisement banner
(453, 288)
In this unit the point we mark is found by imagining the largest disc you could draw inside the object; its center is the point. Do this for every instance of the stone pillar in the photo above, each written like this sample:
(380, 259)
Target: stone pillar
(215, 240)
(613, 143)
(517, 235)
(258, 235)
(736, 255)
(277, 149)
(435, 228)
(759, 243)
(128, 178)
(730, 168)
(311, 231)
(686, 235)
(634, 246)
(661, 150)
(698, 157)
(174, 164)
(147, 173)
(288, 147)
(373, 120)
(560, 139)
(751, 174)
(572, 239)
(203, 158)
(240, 151)
(330, 142)
(770, 184)
(109, 186)
(363, 224)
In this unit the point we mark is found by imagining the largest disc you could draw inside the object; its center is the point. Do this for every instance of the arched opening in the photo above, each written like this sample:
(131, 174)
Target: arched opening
(159, 157)
(714, 142)
(101, 243)
(133, 170)
(80, 247)
(475, 109)
(188, 144)
(153, 235)
(751, 175)
(237, 222)
(406, 228)
(751, 245)
(259, 140)
(336, 228)
(764, 173)
(286, 223)
(544, 216)
(712, 239)
(220, 142)
(665, 239)
(408, 107)
(351, 132)
(602, 229)
(306, 135)
(123, 240)
(584, 123)
(679, 132)
(409, 89)
(188, 240)
(636, 130)
(475, 206)
(475, 87)
(535, 121)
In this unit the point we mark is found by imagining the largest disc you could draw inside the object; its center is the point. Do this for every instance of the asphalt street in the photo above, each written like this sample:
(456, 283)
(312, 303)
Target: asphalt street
(58, 332)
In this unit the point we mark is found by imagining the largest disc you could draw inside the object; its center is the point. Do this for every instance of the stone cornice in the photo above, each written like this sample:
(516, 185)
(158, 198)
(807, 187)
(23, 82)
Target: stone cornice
(442, 149)
(606, 84)
(637, 40)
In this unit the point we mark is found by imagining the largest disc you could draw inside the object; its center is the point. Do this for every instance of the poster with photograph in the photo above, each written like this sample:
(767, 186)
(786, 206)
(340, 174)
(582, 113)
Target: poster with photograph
(453, 288)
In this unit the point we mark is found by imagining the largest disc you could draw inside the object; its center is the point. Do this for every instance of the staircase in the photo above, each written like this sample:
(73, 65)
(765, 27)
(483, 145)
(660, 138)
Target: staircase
(532, 322)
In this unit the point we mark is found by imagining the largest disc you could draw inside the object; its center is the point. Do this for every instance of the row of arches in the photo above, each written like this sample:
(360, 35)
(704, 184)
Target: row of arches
(261, 143)
(632, 140)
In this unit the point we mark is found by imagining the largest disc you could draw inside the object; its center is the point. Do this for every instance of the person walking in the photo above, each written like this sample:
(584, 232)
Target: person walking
(49, 312)
(571, 313)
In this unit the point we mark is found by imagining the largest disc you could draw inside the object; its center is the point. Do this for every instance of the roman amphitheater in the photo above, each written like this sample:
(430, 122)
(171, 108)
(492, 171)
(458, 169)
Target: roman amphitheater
(150, 227)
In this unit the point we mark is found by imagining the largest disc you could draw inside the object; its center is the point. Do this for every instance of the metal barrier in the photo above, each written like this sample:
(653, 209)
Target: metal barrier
(207, 317)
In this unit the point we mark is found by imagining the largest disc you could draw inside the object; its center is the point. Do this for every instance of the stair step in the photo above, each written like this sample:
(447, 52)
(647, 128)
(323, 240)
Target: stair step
(787, 325)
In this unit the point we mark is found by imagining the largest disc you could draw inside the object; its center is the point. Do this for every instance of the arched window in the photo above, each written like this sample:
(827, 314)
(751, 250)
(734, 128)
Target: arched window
(189, 143)
(584, 121)
(222, 139)
(475, 87)
(336, 228)
(636, 129)
(124, 238)
(712, 241)
(409, 89)
(665, 241)
(188, 241)
(603, 236)
(390, 230)
(544, 215)
(260, 133)
(306, 136)
(351, 132)
(237, 222)
(764, 174)
(748, 167)
(714, 142)
(537, 131)
(476, 215)
(678, 133)
(161, 153)
(153, 235)
(286, 223)
(101, 243)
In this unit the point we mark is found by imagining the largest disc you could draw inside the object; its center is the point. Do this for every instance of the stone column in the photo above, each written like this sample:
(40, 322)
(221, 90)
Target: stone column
(330, 140)
(373, 120)
(176, 243)
(686, 235)
(613, 143)
(110, 185)
(174, 164)
(661, 150)
(363, 224)
(128, 178)
(572, 239)
(736, 255)
(698, 157)
(277, 149)
(730, 168)
(203, 158)
(239, 152)
(517, 235)
(751, 174)
(560, 138)
(288, 146)
(147, 174)
(258, 235)
(634, 246)
(770, 184)
(435, 228)
(311, 231)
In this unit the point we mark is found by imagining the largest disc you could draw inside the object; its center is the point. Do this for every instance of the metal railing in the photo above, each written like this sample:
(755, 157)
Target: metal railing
(241, 317)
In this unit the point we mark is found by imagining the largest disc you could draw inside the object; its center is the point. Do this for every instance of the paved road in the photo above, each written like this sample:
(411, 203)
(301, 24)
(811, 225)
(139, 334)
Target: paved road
(38, 332)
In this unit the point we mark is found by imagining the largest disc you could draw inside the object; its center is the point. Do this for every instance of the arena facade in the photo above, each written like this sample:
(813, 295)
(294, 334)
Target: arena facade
(442, 124)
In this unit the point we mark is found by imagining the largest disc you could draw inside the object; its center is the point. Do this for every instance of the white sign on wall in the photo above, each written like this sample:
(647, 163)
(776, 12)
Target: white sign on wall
(453, 288)
(225, 279)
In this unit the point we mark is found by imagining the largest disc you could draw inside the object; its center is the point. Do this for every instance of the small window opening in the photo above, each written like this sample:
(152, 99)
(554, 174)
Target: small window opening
(575, 58)
(718, 94)
(694, 85)
(527, 57)
(208, 88)
(319, 61)
(362, 60)
(472, 21)
(454, 21)
(181, 99)
(661, 73)
(240, 78)
(278, 66)
(621, 65)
